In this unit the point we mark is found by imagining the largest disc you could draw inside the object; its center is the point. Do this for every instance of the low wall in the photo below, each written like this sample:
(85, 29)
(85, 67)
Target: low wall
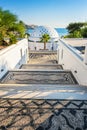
(72, 60)
(38, 46)
(13, 56)
(76, 41)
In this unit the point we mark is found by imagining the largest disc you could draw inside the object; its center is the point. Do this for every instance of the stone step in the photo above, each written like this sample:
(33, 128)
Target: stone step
(41, 66)
(39, 77)
(33, 91)
(42, 52)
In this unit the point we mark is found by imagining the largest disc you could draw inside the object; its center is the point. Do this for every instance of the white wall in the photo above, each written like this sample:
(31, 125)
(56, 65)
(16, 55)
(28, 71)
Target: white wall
(39, 46)
(13, 56)
(72, 60)
(76, 41)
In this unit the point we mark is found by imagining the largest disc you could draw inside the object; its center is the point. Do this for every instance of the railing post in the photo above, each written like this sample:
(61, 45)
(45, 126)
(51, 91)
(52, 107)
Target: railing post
(85, 55)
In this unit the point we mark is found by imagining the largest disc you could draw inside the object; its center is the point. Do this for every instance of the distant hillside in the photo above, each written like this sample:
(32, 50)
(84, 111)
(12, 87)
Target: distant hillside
(30, 26)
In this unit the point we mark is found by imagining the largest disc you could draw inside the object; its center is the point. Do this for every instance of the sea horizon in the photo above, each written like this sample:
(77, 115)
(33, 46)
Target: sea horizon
(60, 31)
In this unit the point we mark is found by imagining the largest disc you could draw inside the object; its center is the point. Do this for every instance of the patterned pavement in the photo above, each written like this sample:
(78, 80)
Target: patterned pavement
(39, 77)
(31, 114)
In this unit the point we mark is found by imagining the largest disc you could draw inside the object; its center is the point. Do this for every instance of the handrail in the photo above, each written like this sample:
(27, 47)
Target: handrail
(71, 49)
(11, 47)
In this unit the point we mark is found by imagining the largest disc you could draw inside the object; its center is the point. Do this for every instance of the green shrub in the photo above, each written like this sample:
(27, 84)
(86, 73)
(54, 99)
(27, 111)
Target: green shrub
(13, 39)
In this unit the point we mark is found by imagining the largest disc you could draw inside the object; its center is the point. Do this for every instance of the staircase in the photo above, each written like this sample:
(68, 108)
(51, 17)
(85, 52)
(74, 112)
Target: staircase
(37, 73)
(41, 95)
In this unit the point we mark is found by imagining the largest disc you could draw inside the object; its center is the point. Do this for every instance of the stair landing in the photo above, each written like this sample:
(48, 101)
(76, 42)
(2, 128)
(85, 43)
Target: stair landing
(41, 66)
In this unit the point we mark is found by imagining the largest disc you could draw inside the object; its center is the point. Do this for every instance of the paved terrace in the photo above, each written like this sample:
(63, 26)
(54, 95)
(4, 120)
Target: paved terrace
(53, 102)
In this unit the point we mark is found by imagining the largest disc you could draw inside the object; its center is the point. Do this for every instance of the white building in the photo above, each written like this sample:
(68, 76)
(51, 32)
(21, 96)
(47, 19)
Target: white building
(35, 37)
(40, 30)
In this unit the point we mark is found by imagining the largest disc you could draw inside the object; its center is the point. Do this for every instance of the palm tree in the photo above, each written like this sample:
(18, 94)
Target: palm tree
(45, 38)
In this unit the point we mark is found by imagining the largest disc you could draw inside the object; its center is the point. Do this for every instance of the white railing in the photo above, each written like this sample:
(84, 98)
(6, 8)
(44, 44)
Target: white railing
(73, 60)
(39, 46)
(85, 56)
(13, 56)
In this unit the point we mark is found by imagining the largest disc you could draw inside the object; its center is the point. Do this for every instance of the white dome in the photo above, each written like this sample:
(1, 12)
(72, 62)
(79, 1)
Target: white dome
(40, 30)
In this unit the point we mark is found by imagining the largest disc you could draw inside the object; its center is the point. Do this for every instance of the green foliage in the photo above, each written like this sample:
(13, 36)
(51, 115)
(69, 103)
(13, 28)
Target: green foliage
(13, 39)
(75, 34)
(1, 37)
(20, 27)
(77, 30)
(10, 27)
(84, 32)
(74, 27)
(27, 35)
(45, 38)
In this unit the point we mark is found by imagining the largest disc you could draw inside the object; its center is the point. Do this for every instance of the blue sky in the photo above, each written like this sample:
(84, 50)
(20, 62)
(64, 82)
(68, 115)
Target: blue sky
(55, 13)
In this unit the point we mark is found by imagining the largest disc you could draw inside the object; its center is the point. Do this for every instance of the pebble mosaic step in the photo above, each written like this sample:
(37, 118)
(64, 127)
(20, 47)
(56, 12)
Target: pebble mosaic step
(39, 77)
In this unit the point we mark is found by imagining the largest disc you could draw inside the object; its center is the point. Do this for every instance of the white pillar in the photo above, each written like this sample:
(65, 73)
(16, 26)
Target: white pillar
(85, 55)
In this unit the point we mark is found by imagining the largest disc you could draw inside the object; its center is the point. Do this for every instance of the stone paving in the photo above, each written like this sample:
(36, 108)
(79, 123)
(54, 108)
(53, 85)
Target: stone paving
(26, 114)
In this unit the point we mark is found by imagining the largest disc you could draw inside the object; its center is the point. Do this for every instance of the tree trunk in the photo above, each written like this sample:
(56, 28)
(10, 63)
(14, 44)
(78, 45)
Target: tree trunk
(44, 46)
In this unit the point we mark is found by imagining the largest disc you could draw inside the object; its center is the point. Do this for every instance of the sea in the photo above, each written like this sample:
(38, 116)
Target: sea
(61, 31)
